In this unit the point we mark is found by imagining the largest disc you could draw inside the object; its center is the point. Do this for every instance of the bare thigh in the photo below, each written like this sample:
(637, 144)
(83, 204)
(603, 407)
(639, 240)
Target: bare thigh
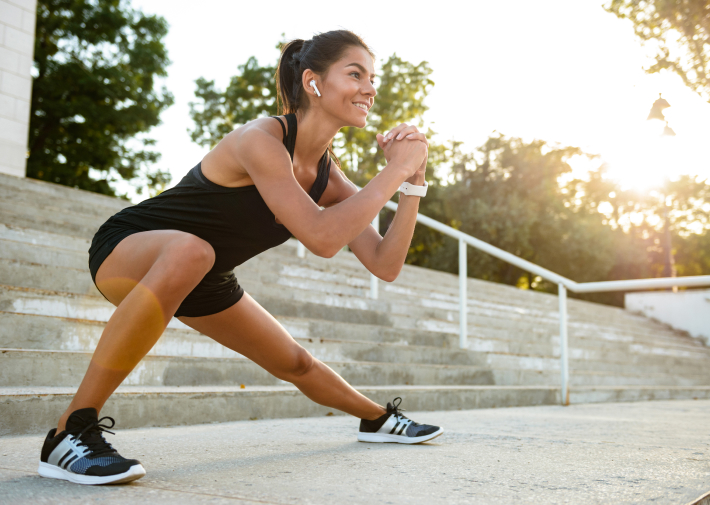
(150, 252)
(247, 328)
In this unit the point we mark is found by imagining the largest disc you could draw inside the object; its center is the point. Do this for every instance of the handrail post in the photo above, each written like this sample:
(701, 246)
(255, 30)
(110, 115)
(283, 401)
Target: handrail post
(373, 280)
(300, 250)
(463, 297)
(564, 353)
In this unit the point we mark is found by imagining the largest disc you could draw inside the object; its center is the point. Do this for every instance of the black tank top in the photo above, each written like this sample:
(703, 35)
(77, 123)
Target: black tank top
(236, 222)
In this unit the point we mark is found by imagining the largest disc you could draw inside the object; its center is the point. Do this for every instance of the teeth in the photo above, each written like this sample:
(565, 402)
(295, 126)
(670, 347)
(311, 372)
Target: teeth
(363, 107)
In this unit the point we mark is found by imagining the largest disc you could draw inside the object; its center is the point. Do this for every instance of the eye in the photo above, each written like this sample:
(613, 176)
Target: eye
(356, 74)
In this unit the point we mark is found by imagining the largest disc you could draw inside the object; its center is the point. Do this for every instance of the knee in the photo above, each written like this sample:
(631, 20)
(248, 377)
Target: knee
(192, 254)
(300, 364)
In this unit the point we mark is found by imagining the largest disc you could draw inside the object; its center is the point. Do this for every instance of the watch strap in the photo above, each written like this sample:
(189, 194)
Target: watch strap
(411, 189)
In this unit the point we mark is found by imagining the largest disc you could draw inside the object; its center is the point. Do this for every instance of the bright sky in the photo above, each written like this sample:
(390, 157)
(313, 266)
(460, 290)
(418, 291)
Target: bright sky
(561, 71)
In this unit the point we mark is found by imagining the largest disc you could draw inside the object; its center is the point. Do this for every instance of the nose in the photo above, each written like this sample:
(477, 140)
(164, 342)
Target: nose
(369, 90)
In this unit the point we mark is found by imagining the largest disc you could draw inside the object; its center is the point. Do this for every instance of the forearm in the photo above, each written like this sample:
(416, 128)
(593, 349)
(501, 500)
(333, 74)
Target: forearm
(391, 252)
(338, 225)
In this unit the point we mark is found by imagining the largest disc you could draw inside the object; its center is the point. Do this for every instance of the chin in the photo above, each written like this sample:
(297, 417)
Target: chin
(360, 122)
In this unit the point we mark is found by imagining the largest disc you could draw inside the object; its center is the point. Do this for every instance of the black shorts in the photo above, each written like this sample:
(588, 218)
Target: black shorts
(215, 292)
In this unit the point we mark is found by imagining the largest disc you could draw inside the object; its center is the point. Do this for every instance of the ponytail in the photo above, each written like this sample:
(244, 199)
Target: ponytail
(288, 77)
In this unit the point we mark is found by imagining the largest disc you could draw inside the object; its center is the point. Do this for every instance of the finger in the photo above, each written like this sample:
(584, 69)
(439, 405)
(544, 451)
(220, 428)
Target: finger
(380, 140)
(405, 131)
(418, 136)
(395, 131)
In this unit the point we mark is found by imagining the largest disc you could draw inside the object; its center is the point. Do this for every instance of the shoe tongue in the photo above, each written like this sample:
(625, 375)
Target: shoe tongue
(80, 418)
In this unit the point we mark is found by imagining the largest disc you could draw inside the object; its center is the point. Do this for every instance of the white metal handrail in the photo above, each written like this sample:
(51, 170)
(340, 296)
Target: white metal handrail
(563, 284)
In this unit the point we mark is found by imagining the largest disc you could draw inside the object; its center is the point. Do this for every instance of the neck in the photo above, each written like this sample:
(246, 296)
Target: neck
(315, 132)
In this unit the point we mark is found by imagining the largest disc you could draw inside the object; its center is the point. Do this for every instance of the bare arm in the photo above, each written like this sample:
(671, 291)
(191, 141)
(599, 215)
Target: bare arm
(384, 257)
(322, 231)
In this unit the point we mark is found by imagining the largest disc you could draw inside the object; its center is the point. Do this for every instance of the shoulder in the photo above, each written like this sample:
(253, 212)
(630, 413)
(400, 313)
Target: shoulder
(261, 135)
(261, 128)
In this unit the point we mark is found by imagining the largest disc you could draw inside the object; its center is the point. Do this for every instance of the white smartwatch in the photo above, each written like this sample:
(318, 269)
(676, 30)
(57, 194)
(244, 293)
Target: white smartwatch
(411, 189)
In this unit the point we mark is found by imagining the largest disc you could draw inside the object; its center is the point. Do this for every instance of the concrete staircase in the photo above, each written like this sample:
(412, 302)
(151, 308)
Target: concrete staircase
(404, 344)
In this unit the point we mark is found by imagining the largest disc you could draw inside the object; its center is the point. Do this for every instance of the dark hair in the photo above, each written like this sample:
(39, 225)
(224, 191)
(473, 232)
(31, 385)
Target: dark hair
(317, 54)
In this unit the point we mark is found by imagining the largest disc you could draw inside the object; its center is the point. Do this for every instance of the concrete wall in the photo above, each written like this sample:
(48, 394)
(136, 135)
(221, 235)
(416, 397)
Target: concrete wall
(685, 310)
(17, 36)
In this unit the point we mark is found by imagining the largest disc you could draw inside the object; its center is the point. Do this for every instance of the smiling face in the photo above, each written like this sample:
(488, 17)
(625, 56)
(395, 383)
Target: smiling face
(347, 90)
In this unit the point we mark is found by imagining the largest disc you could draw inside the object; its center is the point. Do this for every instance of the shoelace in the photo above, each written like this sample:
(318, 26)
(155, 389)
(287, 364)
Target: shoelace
(91, 435)
(398, 412)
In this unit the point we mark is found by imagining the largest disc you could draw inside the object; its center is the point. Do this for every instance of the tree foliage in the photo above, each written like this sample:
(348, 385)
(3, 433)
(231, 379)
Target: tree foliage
(250, 94)
(519, 196)
(95, 64)
(680, 32)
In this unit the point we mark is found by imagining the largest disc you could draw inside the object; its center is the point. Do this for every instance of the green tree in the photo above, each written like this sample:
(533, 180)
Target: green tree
(250, 94)
(95, 63)
(679, 30)
(510, 193)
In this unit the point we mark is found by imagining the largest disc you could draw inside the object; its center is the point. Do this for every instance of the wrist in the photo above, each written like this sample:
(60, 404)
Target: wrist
(402, 170)
(417, 179)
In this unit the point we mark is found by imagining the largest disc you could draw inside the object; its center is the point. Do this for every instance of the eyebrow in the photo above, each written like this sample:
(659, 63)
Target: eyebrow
(363, 69)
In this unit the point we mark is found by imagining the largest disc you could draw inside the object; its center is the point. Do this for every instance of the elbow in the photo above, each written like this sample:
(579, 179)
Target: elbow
(388, 276)
(321, 244)
(323, 249)
(325, 252)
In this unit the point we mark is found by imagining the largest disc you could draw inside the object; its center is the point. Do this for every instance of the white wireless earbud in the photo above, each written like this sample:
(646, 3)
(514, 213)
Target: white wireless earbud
(315, 88)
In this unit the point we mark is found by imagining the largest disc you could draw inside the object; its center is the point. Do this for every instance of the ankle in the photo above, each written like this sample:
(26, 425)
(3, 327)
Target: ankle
(376, 415)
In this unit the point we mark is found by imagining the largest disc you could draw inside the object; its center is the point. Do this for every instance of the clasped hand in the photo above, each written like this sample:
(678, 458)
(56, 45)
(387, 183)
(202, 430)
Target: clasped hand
(412, 155)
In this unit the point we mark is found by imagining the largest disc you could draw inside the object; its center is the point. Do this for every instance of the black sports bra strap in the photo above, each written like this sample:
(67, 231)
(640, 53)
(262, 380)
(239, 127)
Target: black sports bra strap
(283, 128)
(292, 132)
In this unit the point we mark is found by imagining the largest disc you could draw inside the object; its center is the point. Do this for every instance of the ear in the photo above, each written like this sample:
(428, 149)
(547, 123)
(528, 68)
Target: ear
(307, 77)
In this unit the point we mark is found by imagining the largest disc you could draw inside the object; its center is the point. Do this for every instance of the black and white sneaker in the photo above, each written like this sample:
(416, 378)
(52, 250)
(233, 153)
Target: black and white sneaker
(394, 427)
(80, 454)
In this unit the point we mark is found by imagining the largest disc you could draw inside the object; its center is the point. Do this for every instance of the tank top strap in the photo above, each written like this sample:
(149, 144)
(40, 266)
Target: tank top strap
(289, 141)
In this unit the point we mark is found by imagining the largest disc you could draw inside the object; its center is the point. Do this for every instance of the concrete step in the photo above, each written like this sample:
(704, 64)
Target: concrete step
(35, 409)
(15, 250)
(23, 368)
(22, 331)
(47, 202)
(61, 305)
(77, 280)
(435, 280)
(62, 197)
(34, 331)
(45, 239)
(441, 320)
(265, 266)
(42, 189)
(54, 221)
(43, 255)
(34, 276)
(273, 269)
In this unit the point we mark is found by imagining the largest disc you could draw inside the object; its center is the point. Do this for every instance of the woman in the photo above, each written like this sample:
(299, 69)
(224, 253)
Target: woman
(174, 255)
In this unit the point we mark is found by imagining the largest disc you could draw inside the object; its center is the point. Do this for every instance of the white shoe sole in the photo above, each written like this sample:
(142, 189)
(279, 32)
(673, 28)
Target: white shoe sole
(400, 439)
(54, 472)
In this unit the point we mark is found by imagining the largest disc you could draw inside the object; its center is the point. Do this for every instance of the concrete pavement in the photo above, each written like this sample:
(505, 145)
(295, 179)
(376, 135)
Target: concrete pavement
(643, 452)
